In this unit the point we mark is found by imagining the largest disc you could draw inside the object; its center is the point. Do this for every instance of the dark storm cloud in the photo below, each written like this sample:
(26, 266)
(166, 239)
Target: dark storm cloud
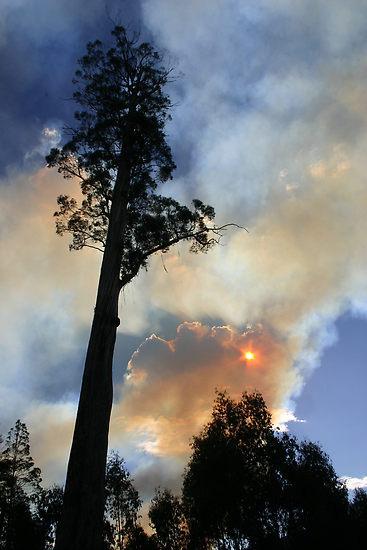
(39, 44)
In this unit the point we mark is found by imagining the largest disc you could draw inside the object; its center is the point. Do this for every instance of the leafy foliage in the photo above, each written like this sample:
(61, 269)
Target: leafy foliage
(167, 518)
(120, 133)
(48, 505)
(315, 499)
(246, 486)
(22, 472)
(358, 519)
(139, 540)
(19, 484)
(122, 502)
(226, 481)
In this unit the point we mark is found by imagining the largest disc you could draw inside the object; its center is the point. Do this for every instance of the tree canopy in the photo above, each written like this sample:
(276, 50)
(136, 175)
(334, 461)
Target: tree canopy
(122, 501)
(121, 122)
(246, 486)
(167, 518)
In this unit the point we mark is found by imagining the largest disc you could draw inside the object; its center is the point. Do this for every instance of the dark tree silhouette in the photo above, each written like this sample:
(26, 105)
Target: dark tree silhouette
(139, 540)
(122, 501)
(22, 472)
(246, 486)
(119, 153)
(312, 500)
(358, 520)
(19, 483)
(48, 506)
(226, 482)
(168, 521)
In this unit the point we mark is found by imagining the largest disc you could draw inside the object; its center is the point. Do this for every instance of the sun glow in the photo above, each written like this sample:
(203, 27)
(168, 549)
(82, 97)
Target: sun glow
(249, 356)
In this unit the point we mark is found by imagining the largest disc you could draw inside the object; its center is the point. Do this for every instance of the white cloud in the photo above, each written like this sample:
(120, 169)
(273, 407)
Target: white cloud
(50, 137)
(282, 417)
(355, 482)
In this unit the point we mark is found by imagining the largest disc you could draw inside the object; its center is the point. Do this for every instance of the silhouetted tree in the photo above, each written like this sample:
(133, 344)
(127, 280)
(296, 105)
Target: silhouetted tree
(168, 521)
(358, 520)
(246, 486)
(119, 153)
(139, 540)
(48, 506)
(4, 467)
(20, 481)
(226, 482)
(22, 472)
(313, 500)
(122, 501)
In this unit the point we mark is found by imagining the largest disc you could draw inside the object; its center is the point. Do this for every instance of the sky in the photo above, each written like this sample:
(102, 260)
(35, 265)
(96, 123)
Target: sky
(270, 127)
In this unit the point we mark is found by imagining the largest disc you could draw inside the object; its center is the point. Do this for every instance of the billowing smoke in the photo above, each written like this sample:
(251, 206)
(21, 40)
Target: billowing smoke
(170, 384)
(270, 128)
(47, 297)
(273, 115)
(275, 138)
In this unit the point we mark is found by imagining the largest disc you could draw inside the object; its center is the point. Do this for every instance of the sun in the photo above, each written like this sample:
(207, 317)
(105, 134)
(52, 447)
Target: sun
(249, 356)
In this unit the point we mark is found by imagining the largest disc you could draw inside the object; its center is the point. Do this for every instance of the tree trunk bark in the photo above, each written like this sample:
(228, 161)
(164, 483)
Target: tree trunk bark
(81, 525)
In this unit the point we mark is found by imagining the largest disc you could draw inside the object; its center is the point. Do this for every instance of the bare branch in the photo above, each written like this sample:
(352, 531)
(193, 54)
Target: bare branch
(94, 247)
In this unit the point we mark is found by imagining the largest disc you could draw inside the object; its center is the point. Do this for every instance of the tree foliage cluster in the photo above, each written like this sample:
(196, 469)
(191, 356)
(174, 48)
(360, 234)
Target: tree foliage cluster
(28, 512)
(246, 486)
(119, 129)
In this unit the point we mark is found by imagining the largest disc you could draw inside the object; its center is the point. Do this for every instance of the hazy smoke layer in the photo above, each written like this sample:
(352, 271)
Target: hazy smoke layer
(272, 107)
(272, 118)
(270, 128)
(47, 296)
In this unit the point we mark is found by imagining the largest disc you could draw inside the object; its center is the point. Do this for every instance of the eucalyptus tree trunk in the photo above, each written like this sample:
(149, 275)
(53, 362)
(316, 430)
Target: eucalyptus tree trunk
(81, 525)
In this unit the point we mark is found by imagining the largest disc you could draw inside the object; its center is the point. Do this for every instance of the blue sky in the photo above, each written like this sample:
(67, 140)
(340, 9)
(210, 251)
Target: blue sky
(333, 400)
(269, 126)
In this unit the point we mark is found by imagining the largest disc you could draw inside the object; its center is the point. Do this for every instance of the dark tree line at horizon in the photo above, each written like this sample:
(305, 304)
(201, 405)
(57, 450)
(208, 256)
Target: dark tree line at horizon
(246, 486)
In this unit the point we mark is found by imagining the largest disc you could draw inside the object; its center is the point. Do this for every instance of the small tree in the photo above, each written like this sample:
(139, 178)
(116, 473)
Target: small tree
(122, 501)
(22, 472)
(168, 521)
(139, 540)
(19, 483)
(226, 483)
(119, 153)
(358, 519)
(48, 506)
(314, 500)
(249, 487)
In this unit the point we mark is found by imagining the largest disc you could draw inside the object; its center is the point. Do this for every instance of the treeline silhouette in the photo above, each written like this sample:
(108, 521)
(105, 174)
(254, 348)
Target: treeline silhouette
(246, 486)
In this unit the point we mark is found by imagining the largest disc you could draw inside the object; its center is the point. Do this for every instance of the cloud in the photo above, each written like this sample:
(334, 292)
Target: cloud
(270, 127)
(50, 137)
(47, 294)
(40, 42)
(51, 426)
(169, 389)
(276, 122)
(355, 482)
(281, 418)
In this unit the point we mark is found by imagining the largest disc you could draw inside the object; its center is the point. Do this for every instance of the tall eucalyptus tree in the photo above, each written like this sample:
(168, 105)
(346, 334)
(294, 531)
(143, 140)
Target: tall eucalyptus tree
(119, 153)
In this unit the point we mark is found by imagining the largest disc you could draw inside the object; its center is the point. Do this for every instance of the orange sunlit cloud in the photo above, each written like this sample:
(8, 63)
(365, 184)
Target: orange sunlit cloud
(169, 389)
